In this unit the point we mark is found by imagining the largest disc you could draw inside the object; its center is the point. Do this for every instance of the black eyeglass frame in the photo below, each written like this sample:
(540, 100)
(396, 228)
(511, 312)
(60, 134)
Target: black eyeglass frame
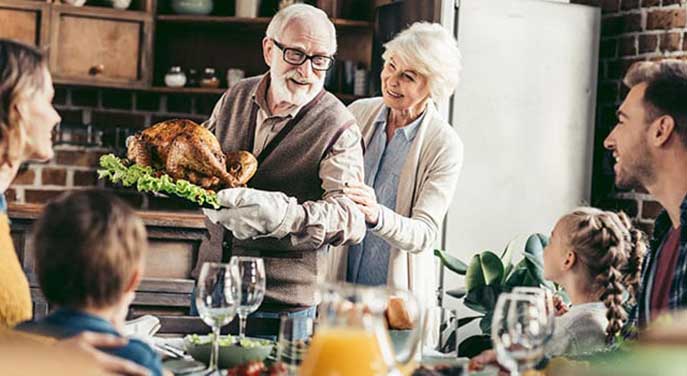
(306, 57)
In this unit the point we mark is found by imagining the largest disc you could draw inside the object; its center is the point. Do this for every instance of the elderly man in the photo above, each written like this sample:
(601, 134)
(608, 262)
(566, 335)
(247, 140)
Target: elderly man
(649, 145)
(308, 148)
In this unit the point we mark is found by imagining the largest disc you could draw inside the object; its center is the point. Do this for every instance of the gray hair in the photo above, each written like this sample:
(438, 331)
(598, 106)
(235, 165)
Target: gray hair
(299, 12)
(433, 52)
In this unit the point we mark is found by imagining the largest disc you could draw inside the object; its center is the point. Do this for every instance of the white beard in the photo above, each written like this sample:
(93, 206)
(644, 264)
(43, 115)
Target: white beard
(282, 93)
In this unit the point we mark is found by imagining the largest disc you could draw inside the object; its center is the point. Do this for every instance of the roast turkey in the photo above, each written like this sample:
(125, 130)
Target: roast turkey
(186, 150)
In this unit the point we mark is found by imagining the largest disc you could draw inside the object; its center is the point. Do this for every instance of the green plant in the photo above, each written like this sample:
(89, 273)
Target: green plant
(488, 275)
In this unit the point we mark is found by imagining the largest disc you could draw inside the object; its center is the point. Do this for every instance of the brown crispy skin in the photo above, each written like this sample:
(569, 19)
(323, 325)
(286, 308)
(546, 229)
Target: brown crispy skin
(186, 150)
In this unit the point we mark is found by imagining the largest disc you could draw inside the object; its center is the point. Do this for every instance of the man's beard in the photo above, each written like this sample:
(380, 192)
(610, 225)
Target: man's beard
(640, 174)
(283, 93)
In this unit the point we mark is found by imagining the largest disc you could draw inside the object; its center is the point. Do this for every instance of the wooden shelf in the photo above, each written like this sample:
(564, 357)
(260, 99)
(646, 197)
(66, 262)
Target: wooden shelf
(186, 90)
(260, 21)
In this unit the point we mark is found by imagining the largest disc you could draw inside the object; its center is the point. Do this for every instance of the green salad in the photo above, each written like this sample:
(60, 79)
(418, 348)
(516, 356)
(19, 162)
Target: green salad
(146, 180)
(228, 340)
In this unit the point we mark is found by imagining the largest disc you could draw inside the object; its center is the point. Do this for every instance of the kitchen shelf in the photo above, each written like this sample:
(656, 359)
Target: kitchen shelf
(201, 90)
(259, 21)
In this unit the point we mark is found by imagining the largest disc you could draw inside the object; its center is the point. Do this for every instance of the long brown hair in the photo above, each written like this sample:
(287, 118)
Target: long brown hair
(22, 73)
(611, 249)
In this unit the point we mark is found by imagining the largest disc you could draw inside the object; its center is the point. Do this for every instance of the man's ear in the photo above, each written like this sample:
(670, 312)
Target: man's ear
(570, 260)
(267, 47)
(135, 280)
(661, 129)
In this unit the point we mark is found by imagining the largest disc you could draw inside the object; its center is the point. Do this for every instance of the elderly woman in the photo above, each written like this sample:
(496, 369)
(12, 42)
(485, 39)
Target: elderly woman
(412, 161)
(27, 118)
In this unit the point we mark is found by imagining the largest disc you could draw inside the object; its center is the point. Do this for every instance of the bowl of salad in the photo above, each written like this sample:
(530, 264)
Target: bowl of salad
(232, 350)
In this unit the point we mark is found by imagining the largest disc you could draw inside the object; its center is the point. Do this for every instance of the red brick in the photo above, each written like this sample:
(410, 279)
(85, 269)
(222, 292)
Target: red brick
(630, 4)
(650, 3)
(647, 43)
(82, 158)
(666, 19)
(70, 116)
(671, 42)
(611, 26)
(25, 177)
(54, 176)
(85, 178)
(627, 46)
(40, 196)
(651, 209)
(610, 6)
(105, 119)
(632, 22)
(11, 195)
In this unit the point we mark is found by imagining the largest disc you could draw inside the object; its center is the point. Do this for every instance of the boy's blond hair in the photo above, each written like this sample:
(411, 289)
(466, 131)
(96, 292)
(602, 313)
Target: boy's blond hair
(88, 245)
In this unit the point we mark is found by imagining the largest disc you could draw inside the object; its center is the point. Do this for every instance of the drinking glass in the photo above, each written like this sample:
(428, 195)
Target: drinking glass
(516, 332)
(546, 298)
(295, 334)
(218, 296)
(252, 275)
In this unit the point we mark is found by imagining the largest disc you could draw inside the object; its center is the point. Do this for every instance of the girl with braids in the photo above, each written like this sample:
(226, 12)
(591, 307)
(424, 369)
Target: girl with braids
(595, 256)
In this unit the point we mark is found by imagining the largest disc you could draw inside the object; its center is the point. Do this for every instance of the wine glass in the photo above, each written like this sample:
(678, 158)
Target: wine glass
(252, 275)
(218, 296)
(546, 298)
(517, 330)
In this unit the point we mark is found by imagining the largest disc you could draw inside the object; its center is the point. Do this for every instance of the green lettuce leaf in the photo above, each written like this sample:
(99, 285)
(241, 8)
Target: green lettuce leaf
(144, 180)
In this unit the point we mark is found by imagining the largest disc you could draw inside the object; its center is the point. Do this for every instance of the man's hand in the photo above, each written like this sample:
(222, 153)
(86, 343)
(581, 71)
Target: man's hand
(248, 212)
(86, 344)
(365, 198)
(559, 306)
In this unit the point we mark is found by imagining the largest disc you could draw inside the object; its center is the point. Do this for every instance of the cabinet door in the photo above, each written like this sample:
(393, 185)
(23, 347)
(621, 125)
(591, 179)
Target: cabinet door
(100, 46)
(24, 21)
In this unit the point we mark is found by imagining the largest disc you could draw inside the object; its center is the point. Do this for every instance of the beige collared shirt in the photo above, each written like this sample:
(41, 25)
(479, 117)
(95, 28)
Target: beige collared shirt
(334, 219)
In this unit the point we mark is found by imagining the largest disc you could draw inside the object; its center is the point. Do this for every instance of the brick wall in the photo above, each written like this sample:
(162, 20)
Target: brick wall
(95, 122)
(632, 30)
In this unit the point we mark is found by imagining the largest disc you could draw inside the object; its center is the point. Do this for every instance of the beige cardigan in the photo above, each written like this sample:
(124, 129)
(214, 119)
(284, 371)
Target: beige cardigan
(425, 190)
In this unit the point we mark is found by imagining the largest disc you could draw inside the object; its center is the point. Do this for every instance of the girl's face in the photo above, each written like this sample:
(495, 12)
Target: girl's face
(556, 254)
(40, 118)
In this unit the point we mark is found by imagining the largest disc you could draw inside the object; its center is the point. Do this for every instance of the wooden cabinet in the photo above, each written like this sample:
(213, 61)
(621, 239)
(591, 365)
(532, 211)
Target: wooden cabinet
(25, 21)
(100, 46)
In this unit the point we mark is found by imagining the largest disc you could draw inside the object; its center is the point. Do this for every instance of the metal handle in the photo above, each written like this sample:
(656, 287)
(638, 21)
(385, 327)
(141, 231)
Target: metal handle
(96, 70)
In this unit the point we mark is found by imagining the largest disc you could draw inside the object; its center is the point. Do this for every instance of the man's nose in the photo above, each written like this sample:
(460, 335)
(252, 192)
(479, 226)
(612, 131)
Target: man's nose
(305, 69)
(609, 141)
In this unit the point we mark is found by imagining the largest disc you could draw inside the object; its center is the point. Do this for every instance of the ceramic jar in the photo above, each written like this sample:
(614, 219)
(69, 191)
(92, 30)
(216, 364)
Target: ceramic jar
(209, 78)
(175, 77)
(118, 4)
(76, 3)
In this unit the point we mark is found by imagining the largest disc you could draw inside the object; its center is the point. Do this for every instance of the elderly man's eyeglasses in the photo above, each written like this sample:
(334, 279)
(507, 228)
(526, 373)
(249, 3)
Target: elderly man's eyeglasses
(297, 57)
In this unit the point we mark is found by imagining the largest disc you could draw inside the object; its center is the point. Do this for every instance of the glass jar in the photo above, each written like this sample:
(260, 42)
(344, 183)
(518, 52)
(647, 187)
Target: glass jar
(193, 77)
(209, 78)
(175, 77)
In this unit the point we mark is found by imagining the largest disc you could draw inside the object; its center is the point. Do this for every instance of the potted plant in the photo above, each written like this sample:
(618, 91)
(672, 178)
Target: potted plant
(488, 275)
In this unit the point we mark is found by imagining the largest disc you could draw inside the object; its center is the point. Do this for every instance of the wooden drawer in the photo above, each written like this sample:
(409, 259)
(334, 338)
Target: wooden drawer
(100, 46)
(25, 21)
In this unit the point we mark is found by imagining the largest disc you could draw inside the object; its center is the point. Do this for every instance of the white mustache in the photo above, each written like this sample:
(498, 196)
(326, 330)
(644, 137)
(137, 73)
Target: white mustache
(294, 75)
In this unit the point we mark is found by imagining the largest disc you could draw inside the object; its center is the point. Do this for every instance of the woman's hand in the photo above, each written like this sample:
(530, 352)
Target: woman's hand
(87, 343)
(366, 199)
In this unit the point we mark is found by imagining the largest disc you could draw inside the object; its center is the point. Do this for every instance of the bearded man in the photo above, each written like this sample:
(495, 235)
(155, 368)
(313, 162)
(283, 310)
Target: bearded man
(308, 148)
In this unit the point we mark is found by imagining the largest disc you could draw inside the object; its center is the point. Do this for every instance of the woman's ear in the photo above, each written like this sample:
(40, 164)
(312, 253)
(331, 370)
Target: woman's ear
(570, 259)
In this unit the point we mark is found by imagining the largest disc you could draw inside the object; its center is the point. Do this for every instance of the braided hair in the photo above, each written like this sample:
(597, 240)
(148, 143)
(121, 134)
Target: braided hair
(612, 249)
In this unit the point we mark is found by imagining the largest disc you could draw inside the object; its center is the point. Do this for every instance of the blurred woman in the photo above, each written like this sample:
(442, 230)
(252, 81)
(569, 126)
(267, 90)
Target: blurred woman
(27, 119)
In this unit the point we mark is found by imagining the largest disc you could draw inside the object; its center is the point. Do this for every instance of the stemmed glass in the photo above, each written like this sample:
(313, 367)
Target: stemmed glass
(218, 296)
(517, 330)
(252, 274)
(546, 298)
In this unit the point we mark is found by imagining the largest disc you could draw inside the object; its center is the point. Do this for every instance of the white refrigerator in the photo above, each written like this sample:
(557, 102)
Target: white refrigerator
(525, 110)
